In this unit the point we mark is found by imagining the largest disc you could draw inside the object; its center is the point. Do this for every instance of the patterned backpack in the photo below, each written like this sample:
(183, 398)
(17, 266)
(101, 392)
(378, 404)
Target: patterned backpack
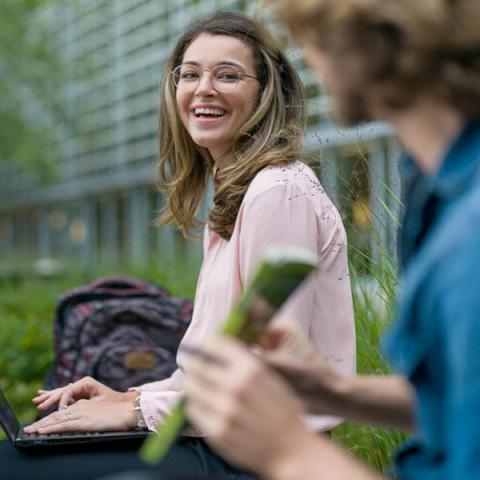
(120, 330)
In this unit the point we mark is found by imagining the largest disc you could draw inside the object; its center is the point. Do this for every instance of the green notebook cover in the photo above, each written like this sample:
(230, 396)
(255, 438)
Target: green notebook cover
(280, 271)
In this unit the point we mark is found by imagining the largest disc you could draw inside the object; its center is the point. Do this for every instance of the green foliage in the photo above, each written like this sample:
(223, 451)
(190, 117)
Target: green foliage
(32, 73)
(374, 303)
(26, 312)
(27, 306)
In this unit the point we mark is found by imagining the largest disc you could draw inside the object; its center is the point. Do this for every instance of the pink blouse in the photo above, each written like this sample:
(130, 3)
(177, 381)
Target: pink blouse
(282, 206)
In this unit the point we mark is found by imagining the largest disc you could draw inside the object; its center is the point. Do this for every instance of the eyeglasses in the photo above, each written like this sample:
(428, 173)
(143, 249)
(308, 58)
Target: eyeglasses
(224, 77)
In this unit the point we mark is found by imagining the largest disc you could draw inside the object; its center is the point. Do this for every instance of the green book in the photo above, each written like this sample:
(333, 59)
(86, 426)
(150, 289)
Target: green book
(280, 271)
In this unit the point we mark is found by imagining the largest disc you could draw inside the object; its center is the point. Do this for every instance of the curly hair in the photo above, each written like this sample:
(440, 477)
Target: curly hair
(396, 50)
(272, 136)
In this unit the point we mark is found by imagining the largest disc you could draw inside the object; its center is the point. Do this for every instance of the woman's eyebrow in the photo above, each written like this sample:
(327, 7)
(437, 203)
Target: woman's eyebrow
(228, 62)
(221, 62)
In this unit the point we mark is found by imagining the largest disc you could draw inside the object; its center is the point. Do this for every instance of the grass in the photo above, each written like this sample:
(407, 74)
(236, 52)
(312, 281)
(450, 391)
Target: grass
(26, 312)
(374, 306)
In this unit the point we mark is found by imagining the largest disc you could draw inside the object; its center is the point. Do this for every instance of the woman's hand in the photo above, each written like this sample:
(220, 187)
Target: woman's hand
(86, 388)
(86, 405)
(89, 416)
(247, 411)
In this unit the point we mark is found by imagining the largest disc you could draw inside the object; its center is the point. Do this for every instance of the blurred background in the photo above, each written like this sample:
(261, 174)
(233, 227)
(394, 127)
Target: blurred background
(78, 135)
(79, 93)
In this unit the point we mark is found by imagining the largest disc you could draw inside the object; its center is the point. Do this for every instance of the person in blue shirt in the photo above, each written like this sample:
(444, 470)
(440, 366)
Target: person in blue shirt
(416, 65)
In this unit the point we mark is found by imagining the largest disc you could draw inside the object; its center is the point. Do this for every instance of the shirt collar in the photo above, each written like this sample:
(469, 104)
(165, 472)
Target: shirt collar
(458, 166)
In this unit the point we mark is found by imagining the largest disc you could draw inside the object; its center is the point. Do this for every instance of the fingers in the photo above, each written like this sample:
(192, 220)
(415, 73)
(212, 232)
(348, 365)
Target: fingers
(300, 376)
(201, 387)
(220, 362)
(213, 350)
(227, 370)
(48, 398)
(285, 364)
(242, 407)
(42, 395)
(200, 411)
(67, 426)
(221, 386)
(86, 387)
(315, 382)
(68, 394)
(212, 408)
(212, 422)
(60, 421)
(88, 416)
(205, 370)
(63, 396)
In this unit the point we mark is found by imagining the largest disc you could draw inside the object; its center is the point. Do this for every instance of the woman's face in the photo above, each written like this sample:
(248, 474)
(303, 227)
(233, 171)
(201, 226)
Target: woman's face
(212, 117)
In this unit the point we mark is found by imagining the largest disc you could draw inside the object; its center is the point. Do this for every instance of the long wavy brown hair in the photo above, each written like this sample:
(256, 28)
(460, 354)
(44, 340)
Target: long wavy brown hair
(272, 136)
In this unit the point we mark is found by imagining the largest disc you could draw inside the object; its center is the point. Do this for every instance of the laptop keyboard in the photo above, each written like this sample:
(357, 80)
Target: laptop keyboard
(82, 437)
(73, 437)
(62, 434)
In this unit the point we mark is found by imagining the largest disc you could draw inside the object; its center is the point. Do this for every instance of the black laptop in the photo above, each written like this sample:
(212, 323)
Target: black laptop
(18, 438)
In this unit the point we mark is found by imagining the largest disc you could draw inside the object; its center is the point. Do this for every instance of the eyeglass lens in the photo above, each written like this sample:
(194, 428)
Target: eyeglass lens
(223, 77)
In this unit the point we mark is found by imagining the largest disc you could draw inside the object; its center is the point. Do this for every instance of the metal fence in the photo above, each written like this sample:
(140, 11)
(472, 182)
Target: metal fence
(101, 206)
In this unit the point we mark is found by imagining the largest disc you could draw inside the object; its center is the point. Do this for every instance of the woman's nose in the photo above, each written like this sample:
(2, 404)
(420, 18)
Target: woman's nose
(205, 84)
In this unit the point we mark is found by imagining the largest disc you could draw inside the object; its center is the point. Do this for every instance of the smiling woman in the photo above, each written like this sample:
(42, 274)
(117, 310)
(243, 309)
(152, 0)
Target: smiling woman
(215, 97)
(261, 118)
(232, 108)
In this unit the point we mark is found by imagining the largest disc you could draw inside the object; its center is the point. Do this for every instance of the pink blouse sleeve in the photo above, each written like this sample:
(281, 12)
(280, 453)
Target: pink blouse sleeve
(158, 398)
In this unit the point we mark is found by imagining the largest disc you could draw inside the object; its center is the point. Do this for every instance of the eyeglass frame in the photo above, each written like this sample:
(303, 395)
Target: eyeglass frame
(242, 75)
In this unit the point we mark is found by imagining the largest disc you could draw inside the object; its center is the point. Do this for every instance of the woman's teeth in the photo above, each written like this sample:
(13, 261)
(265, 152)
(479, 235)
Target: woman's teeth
(210, 112)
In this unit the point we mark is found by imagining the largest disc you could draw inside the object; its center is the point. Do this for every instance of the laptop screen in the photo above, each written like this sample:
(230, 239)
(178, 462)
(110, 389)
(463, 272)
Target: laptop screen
(8, 420)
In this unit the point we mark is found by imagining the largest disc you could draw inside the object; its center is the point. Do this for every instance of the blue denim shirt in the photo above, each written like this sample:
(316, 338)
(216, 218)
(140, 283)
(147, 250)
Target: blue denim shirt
(435, 341)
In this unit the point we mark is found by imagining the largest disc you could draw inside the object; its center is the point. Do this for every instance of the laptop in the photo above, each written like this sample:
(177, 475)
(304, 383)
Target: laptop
(18, 438)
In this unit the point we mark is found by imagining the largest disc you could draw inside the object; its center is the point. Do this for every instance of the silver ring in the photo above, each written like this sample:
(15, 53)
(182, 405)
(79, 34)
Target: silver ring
(67, 415)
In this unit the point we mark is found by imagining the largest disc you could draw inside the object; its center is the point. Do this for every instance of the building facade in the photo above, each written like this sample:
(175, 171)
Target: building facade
(101, 206)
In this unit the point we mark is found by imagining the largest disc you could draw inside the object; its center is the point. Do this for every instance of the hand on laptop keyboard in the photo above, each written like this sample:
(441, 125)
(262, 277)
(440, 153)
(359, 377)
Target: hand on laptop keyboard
(85, 406)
